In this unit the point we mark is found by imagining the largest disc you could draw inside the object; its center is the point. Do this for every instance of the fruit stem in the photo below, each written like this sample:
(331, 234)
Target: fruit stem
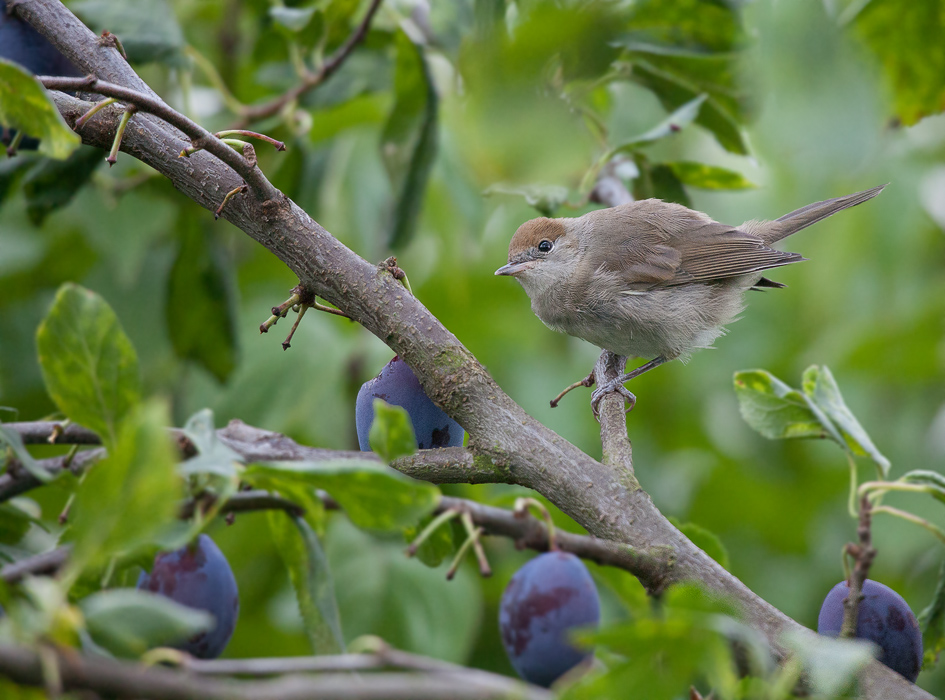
(278, 145)
(80, 122)
(14, 144)
(287, 343)
(905, 515)
(522, 505)
(229, 195)
(474, 535)
(442, 518)
(457, 560)
(119, 134)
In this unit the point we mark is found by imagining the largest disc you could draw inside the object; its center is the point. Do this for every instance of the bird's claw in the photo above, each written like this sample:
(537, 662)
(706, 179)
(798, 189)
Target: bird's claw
(609, 388)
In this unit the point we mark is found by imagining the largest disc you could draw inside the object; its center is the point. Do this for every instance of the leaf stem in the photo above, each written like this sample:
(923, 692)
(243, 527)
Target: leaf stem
(905, 515)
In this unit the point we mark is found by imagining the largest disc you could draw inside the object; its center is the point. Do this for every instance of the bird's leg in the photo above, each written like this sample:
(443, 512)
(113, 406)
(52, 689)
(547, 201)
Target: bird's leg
(617, 385)
(587, 381)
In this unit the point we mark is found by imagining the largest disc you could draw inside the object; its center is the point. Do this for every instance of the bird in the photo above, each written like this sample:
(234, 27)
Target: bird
(651, 279)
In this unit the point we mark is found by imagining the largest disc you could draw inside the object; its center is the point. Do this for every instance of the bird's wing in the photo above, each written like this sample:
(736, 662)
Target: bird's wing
(714, 251)
(658, 244)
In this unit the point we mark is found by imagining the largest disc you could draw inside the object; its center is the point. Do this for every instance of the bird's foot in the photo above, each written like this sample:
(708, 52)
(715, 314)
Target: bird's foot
(587, 381)
(612, 387)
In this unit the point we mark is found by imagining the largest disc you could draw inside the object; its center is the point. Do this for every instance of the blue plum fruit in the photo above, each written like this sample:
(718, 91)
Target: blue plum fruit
(22, 44)
(198, 576)
(883, 618)
(398, 385)
(550, 595)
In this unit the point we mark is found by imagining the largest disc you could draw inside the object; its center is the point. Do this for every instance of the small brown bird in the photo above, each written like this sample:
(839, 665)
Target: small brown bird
(651, 279)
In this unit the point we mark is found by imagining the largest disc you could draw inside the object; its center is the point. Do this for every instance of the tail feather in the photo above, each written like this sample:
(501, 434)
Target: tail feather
(812, 213)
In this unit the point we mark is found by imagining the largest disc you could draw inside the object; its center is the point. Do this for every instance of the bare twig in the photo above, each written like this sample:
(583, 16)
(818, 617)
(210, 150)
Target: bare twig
(312, 80)
(260, 186)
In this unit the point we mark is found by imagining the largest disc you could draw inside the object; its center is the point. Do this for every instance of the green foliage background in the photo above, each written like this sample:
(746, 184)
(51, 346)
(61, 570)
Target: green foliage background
(831, 102)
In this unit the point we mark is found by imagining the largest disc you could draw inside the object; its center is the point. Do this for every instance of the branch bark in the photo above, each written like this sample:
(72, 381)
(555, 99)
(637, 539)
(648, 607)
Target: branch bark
(121, 679)
(504, 440)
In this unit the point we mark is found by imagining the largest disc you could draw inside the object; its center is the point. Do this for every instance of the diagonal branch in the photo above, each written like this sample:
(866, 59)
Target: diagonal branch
(504, 439)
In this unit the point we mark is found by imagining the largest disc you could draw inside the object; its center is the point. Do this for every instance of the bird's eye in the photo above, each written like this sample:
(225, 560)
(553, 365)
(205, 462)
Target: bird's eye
(545, 246)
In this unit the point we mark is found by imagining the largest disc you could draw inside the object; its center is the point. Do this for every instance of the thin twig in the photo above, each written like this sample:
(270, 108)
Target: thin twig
(312, 80)
(261, 187)
(123, 679)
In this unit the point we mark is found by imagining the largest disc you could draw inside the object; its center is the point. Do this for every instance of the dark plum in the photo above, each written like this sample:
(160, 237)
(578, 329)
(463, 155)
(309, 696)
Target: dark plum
(883, 618)
(22, 44)
(198, 576)
(398, 385)
(550, 595)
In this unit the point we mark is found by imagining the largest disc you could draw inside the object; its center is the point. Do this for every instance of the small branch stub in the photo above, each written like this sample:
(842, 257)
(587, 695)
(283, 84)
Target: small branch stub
(229, 195)
(522, 506)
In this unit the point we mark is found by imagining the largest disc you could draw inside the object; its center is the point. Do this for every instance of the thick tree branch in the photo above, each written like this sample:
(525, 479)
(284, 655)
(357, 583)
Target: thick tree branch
(503, 438)
(120, 679)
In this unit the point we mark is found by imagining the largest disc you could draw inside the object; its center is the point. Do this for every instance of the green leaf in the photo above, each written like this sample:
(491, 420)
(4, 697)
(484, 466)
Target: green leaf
(14, 523)
(774, 409)
(409, 139)
(391, 434)
(932, 622)
(201, 303)
(127, 622)
(311, 578)
(545, 198)
(88, 363)
(131, 497)
(12, 439)
(362, 110)
(695, 25)
(292, 19)
(704, 539)
(934, 481)
(674, 91)
(820, 386)
(658, 181)
(374, 496)
(25, 106)
(710, 177)
(148, 29)
(371, 577)
(213, 457)
(661, 659)
(830, 663)
(52, 184)
(682, 117)
(438, 545)
(906, 36)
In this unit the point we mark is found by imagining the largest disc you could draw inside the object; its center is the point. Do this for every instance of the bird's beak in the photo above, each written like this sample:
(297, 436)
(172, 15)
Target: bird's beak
(513, 269)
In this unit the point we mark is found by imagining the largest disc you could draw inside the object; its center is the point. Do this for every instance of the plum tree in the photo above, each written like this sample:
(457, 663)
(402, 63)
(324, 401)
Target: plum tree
(398, 385)
(550, 595)
(883, 618)
(198, 576)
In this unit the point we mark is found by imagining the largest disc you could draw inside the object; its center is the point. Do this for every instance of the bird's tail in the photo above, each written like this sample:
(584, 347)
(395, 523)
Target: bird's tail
(812, 213)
